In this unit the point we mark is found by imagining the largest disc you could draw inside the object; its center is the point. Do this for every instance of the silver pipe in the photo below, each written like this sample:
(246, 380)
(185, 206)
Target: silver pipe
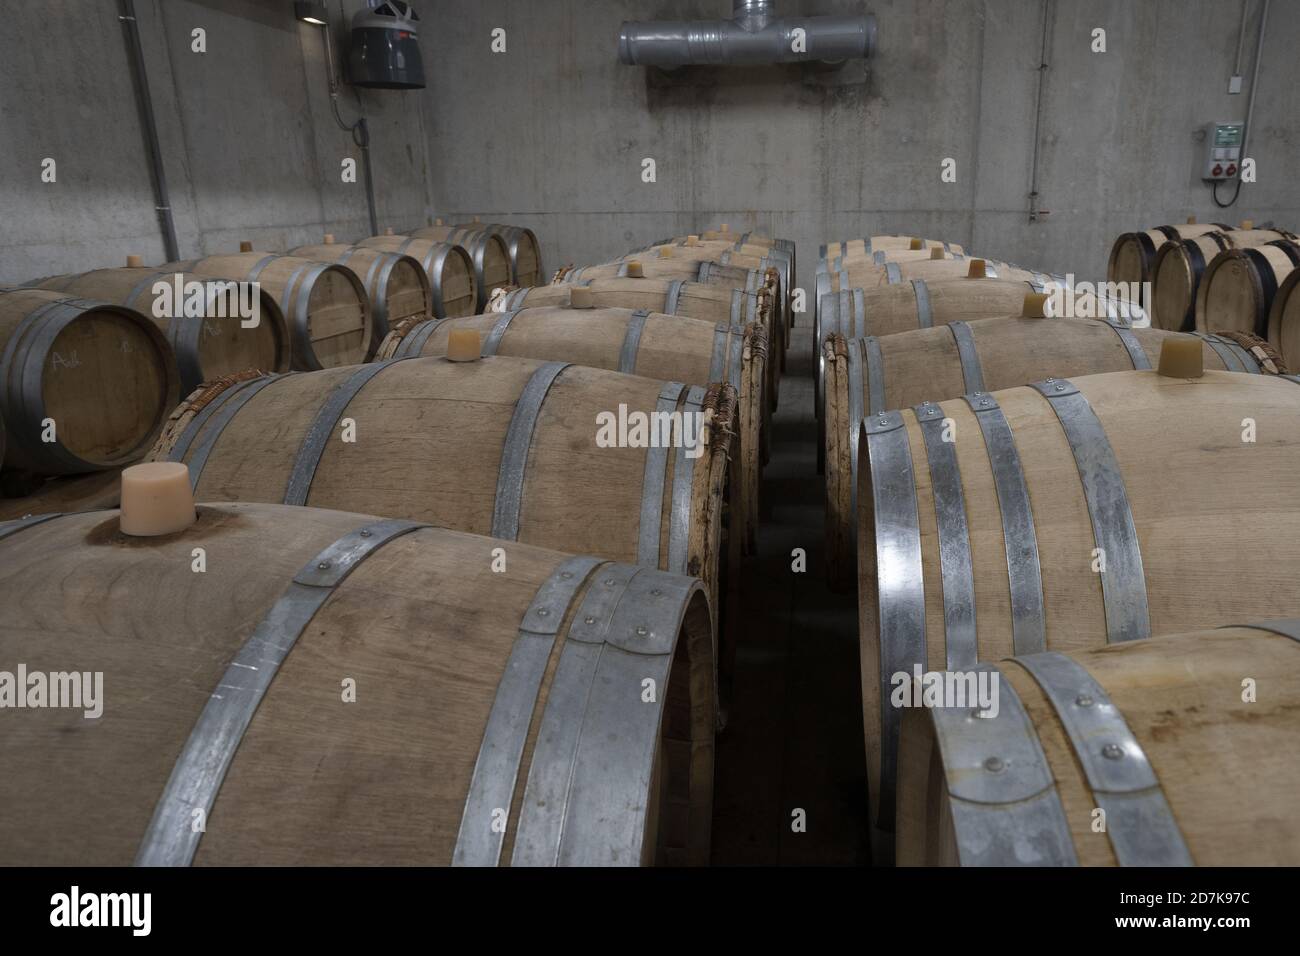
(1254, 82)
(1038, 110)
(754, 37)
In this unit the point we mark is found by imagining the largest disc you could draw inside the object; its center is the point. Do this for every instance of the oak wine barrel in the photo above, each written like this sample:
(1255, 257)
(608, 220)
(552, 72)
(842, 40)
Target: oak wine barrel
(1237, 290)
(1133, 254)
(396, 284)
(211, 343)
(648, 344)
(1180, 745)
(84, 385)
(867, 376)
(339, 689)
(1064, 516)
(831, 251)
(504, 446)
(325, 306)
(449, 268)
(1178, 268)
(696, 300)
(1284, 320)
(486, 250)
(524, 249)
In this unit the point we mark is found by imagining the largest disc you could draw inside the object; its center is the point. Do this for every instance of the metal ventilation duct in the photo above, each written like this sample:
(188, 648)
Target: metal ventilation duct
(754, 37)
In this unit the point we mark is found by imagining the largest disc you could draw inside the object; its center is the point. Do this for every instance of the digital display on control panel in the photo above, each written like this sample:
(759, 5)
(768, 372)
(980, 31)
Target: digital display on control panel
(1227, 136)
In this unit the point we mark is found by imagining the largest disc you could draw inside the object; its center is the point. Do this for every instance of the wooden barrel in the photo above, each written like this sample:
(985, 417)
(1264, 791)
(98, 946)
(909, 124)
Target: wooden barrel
(338, 689)
(695, 300)
(1237, 290)
(524, 250)
(1178, 741)
(1284, 320)
(449, 268)
(867, 376)
(208, 344)
(994, 543)
(1179, 265)
(325, 306)
(882, 256)
(649, 344)
(398, 287)
(515, 448)
(487, 251)
(1133, 254)
(84, 385)
(92, 490)
(834, 250)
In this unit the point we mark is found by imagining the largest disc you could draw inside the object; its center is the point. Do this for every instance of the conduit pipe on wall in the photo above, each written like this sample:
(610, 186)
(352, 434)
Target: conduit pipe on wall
(754, 37)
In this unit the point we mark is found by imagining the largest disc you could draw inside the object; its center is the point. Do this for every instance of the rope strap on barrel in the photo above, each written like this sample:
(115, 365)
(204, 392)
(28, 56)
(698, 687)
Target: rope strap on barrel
(496, 770)
(632, 341)
(514, 455)
(1028, 626)
(1123, 581)
(955, 563)
(1139, 822)
(171, 838)
(900, 579)
(585, 800)
(1002, 795)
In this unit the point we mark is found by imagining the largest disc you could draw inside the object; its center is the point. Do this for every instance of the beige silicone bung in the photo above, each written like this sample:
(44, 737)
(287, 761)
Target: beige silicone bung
(1247, 224)
(156, 499)
(477, 219)
(725, 227)
(977, 269)
(1035, 306)
(438, 221)
(329, 238)
(580, 297)
(1181, 356)
(915, 244)
(936, 253)
(388, 231)
(245, 246)
(134, 262)
(665, 252)
(634, 270)
(464, 345)
(692, 240)
(1191, 220)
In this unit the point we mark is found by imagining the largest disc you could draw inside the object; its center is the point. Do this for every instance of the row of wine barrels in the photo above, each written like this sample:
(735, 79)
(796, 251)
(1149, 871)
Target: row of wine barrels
(696, 300)
(868, 376)
(1239, 286)
(486, 250)
(648, 344)
(1175, 743)
(831, 251)
(230, 699)
(1179, 265)
(1133, 254)
(396, 283)
(449, 268)
(1067, 515)
(686, 268)
(325, 306)
(84, 384)
(524, 249)
(208, 336)
(524, 450)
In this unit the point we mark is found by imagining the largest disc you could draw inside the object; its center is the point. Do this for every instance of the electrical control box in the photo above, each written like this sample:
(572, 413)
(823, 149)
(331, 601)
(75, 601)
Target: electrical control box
(1223, 151)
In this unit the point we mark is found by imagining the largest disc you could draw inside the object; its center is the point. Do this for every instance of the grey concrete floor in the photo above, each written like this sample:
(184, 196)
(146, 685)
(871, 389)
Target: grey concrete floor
(793, 739)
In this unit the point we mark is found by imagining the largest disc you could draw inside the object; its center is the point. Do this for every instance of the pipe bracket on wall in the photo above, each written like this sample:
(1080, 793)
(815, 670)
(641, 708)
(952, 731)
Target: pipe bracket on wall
(753, 38)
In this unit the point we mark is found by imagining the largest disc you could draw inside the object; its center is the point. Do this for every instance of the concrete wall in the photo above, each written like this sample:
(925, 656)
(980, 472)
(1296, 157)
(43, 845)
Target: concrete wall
(552, 132)
(250, 147)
